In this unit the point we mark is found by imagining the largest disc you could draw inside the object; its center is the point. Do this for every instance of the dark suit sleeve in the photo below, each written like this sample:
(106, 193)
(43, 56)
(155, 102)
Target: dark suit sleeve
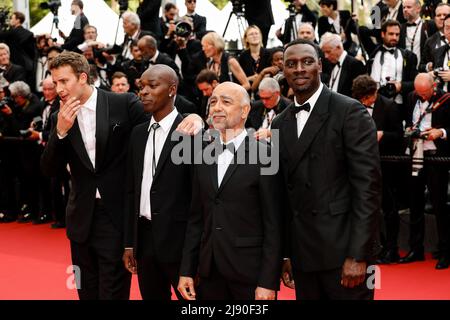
(393, 133)
(129, 212)
(270, 186)
(363, 163)
(54, 159)
(411, 71)
(135, 109)
(194, 231)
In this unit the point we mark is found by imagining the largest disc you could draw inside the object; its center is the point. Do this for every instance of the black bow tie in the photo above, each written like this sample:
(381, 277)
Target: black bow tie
(230, 147)
(391, 51)
(413, 24)
(306, 107)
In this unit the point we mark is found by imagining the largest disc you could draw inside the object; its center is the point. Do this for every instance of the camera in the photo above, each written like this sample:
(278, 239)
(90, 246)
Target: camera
(436, 73)
(52, 5)
(37, 125)
(6, 101)
(412, 133)
(388, 90)
(183, 29)
(238, 7)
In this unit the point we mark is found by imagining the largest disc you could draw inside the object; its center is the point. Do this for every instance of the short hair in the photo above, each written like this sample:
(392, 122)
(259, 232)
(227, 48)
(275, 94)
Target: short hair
(20, 88)
(206, 75)
(215, 40)
(78, 3)
(54, 48)
(329, 3)
(269, 84)
(19, 16)
(245, 41)
(118, 75)
(89, 26)
(169, 6)
(304, 41)
(273, 51)
(150, 42)
(4, 46)
(389, 23)
(363, 86)
(134, 43)
(332, 39)
(76, 61)
(132, 17)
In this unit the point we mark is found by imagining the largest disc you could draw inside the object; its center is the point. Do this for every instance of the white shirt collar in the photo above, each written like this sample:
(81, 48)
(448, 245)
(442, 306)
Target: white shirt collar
(91, 103)
(313, 99)
(167, 122)
(342, 57)
(153, 59)
(136, 34)
(237, 141)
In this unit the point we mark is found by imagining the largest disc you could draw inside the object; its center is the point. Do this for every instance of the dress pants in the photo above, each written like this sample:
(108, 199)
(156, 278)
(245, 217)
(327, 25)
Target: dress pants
(154, 276)
(103, 275)
(390, 206)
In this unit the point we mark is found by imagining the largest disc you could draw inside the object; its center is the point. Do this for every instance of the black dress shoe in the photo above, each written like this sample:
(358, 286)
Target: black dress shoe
(6, 218)
(24, 218)
(443, 263)
(412, 256)
(45, 218)
(58, 225)
(390, 256)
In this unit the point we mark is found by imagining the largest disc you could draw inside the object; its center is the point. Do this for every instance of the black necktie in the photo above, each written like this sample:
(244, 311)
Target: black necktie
(295, 109)
(230, 147)
(155, 126)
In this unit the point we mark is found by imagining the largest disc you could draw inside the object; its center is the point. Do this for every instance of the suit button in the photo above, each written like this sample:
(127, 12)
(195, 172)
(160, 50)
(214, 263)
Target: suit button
(219, 228)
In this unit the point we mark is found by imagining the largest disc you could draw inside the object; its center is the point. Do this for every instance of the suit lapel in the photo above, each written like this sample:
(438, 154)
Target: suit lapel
(318, 116)
(102, 128)
(167, 148)
(343, 75)
(289, 130)
(78, 145)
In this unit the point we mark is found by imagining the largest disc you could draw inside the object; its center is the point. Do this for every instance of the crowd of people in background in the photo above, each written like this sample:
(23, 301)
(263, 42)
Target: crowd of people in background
(399, 70)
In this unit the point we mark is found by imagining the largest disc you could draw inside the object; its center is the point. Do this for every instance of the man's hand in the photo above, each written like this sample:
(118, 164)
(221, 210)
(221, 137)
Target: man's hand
(186, 288)
(34, 136)
(272, 70)
(286, 274)
(191, 125)
(398, 86)
(262, 134)
(66, 115)
(432, 134)
(445, 75)
(129, 261)
(6, 110)
(353, 273)
(380, 135)
(264, 294)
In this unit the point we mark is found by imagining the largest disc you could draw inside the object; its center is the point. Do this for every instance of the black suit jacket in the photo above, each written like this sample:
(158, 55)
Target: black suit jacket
(332, 175)
(439, 58)
(258, 112)
(169, 213)
(235, 225)
(440, 119)
(22, 46)
(431, 45)
(259, 13)
(199, 25)
(47, 126)
(386, 115)
(424, 34)
(163, 58)
(14, 73)
(76, 35)
(351, 68)
(184, 106)
(148, 12)
(117, 114)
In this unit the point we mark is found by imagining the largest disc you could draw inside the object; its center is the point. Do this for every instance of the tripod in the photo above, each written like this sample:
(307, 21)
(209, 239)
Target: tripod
(293, 22)
(238, 11)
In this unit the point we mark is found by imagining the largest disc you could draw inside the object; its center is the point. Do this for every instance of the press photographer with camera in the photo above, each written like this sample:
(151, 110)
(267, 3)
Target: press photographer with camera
(393, 68)
(76, 34)
(168, 22)
(198, 21)
(428, 126)
(441, 61)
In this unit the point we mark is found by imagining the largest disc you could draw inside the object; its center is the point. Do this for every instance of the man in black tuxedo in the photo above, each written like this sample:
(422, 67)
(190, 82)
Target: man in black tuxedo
(429, 113)
(301, 15)
(91, 133)
(391, 64)
(198, 21)
(389, 125)
(415, 32)
(148, 12)
(233, 238)
(259, 13)
(435, 41)
(344, 68)
(154, 224)
(441, 59)
(21, 43)
(10, 71)
(263, 111)
(76, 36)
(331, 169)
(133, 32)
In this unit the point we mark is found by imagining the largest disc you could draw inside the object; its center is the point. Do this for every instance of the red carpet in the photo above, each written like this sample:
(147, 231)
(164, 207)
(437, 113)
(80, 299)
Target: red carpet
(34, 261)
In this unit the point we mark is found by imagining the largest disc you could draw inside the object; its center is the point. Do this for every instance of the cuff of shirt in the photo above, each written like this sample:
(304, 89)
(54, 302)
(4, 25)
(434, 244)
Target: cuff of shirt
(60, 136)
(444, 134)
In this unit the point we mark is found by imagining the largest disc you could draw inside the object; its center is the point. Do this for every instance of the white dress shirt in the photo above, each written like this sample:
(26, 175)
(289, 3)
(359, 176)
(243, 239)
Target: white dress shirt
(425, 123)
(336, 23)
(303, 116)
(225, 158)
(393, 12)
(392, 68)
(414, 32)
(161, 135)
(336, 73)
(445, 67)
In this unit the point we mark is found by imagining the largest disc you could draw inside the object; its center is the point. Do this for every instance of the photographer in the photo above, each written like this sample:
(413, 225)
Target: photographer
(21, 43)
(299, 13)
(76, 35)
(168, 23)
(10, 71)
(393, 68)
(90, 39)
(428, 126)
(135, 67)
(441, 61)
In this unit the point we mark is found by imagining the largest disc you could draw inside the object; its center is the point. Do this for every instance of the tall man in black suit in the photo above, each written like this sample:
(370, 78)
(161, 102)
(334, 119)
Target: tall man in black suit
(148, 12)
(155, 225)
(387, 119)
(233, 238)
(330, 163)
(91, 133)
(429, 112)
(260, 14)
(345, 68)
(76, 36)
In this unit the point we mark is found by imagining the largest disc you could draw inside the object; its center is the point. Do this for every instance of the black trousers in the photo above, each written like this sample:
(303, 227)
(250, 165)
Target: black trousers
(326, 285)
(155, 277)
(102, 273)
(217, 287)
(390, 206)
(435, 177)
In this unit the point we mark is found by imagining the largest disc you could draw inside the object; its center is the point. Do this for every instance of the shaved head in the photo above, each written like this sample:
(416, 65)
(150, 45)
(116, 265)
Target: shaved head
(424, 85)
(162, 71)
